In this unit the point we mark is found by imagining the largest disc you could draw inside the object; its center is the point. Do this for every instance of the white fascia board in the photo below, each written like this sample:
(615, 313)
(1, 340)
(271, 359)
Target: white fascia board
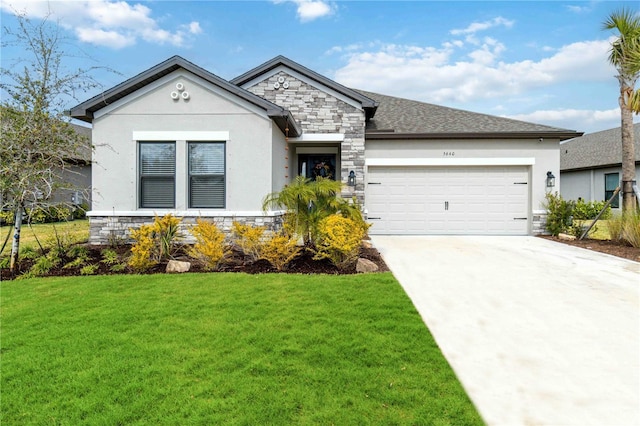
(187, 76)
(185, 213)
(450, 161)
(180, 135)
(304, 79)
(319, 137)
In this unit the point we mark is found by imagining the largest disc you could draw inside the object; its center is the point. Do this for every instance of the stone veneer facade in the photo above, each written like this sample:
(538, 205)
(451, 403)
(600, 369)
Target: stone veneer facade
(113, 230)
(320, 112)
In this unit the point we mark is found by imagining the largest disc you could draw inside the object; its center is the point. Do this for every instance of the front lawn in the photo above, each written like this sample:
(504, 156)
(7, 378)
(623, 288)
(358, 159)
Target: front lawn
(222, 349)
(71, 232)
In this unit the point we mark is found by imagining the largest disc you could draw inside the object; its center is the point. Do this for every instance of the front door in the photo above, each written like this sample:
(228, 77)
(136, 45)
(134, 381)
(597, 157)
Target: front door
(314, 165)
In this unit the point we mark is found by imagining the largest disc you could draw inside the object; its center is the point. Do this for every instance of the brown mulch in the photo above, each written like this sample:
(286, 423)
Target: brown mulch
(303, 264)
(604, 246)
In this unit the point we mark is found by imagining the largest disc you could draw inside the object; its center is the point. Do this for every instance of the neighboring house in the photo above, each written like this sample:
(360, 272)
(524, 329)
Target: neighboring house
(591, 165)
(77, 174)
(178, 139)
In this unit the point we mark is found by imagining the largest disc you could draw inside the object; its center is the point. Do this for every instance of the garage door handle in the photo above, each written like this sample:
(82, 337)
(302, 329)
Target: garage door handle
(520, 218)
(375, 183)
(446, 205)
(374, 218)
(519, 183)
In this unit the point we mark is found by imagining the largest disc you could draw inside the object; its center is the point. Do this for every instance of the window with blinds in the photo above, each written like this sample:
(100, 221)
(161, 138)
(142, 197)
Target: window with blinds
(206, 175)
(157, 174)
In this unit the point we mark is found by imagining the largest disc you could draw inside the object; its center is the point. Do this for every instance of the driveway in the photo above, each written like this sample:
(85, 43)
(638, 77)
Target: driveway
(538, 332)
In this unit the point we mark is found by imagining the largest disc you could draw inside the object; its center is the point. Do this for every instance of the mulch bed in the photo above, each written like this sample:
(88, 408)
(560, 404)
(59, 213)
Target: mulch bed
(604, 246)
(303, 264)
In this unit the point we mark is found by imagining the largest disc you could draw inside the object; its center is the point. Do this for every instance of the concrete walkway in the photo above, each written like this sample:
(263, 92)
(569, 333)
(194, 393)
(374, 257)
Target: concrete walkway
(539, 333)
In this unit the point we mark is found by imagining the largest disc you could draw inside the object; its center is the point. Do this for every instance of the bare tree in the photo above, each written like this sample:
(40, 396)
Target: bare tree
(37, 138)
(625, 56)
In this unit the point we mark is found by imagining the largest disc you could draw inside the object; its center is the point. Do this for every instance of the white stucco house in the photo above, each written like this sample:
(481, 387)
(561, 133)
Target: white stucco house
(178, 139)
(591, 165)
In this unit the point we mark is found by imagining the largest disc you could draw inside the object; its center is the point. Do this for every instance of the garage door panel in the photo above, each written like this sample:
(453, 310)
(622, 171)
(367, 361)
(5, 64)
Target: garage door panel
(454, 200)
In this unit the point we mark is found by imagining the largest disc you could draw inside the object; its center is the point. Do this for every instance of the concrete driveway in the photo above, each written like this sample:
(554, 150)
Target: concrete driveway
(539, 333)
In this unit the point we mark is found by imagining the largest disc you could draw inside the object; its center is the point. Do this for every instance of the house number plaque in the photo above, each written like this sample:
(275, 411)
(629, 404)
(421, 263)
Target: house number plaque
(449, 154)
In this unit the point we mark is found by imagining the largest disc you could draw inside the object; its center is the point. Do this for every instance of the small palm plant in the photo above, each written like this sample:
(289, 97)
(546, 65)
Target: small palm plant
(309, 201)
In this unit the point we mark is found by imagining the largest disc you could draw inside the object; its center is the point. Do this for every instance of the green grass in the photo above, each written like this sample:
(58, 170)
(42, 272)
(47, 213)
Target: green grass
(75, 231)
(234, 349)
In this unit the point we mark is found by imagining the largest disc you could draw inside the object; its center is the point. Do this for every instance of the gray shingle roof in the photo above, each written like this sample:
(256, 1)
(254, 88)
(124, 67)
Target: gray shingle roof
(404, 116)
(594, 150)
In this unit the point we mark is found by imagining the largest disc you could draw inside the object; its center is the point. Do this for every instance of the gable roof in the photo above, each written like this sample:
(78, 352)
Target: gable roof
(399, 118)
(596, 150)
(369, 105)
(85, 111)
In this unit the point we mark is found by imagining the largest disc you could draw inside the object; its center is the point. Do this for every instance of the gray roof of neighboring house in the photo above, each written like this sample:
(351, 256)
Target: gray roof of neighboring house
(596, 150)
(84, 111)
(84, 154)
(398, 118)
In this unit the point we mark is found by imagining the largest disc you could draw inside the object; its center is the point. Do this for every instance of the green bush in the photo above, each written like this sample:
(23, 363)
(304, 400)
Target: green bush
(559, 213)
(588, 210)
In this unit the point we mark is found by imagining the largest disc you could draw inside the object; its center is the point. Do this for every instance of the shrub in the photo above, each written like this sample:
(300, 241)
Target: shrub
(307, 202)
(7, 217)
(588, 210)
(559, 213)
(153, 243)
(249, 239)
(89, 269)
(142, 257)
(626, 228)
(210, 246)
(339, 240)
(279, 250)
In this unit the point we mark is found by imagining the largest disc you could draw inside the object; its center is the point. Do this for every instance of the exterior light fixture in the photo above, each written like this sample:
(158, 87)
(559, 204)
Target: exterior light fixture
(551, 180)
(351, 180)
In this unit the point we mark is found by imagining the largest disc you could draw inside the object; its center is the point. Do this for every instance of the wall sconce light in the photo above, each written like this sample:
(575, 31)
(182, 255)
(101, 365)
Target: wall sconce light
(351, 180)
(551, 180)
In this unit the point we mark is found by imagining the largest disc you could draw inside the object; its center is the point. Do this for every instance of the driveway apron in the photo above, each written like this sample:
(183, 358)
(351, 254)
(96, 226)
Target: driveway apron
(538, 332)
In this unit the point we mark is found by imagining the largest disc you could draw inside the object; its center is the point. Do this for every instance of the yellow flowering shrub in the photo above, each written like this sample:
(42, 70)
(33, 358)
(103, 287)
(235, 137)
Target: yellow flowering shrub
(279, 250)
(153, 243)
(142, 249)
(339, 240)
(210, 248)
(249, 239)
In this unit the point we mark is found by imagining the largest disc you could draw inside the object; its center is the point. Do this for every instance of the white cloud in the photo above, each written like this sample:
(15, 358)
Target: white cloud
(482, 26)
(309, 10)
(587, 120)
(451, 74)
(110, 23)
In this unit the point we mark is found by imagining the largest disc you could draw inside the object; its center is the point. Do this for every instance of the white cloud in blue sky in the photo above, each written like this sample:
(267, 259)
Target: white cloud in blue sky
(541, 61)
(113, 24)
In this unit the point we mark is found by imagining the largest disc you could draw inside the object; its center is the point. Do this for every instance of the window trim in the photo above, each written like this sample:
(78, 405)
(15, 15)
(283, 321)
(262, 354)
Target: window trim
(615, 203)
(223, 175)
(141, 176)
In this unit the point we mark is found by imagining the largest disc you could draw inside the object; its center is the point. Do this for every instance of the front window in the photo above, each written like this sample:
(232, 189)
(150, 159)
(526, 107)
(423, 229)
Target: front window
(611, 182)
(157, 174)
(206, 175)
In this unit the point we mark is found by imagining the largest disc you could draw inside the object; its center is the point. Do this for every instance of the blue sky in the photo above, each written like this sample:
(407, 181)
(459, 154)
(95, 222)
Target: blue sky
(539, 61)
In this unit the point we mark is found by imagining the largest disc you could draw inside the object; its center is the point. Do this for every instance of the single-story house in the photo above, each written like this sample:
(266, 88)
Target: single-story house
(179, 139)
(591, 165)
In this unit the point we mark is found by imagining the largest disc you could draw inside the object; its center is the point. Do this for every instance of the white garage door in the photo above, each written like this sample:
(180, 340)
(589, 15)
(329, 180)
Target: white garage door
(448, 200)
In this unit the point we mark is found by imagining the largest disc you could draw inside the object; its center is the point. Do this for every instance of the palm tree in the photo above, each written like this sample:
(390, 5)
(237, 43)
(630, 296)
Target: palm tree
(625, 57)
(309, 201)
